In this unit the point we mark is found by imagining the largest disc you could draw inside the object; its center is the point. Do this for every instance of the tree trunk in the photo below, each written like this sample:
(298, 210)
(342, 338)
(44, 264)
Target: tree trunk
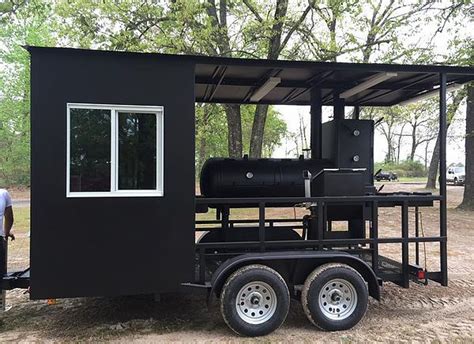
(434, 164)
(433, 170)
(274, 49)
(234, 125)
(258, 129)
(390, 149)
(426, 155)
(468, 199)
(413, 143)
(202, 152)
(399, 146)
(234, 120)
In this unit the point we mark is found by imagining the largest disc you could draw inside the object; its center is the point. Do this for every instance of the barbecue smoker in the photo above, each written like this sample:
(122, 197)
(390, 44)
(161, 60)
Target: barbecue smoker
(113, 158)
(345, 169)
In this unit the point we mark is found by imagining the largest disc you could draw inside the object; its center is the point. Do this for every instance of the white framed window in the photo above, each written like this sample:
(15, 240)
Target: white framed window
(114, 150)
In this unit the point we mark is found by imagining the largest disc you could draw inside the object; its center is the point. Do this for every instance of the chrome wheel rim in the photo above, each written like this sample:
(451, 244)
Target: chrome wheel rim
(256, 302)
(337, 299)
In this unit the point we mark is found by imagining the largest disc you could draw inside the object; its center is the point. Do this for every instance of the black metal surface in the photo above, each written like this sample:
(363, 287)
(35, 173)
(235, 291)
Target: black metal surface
(349, 144)
(417, 234)
(16, 279)
(338, 105)
(298, 77)
(288, 259)
(339, 183)
(405, 256)
(368, 247)
(410, 199)
(443, 220)
(374, 235)
(250, 233)
(129, 231)
(86, 246)
(316, 123)
(225, 177)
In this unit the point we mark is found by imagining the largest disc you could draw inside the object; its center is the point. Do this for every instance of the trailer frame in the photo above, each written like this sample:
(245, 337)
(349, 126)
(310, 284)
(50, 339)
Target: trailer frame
(406, 271)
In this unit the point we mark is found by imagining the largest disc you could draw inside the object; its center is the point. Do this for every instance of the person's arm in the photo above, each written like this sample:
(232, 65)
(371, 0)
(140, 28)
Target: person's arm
(9, 219)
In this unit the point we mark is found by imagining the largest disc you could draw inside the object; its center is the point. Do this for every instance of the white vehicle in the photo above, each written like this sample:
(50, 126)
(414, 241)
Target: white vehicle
(456, 175)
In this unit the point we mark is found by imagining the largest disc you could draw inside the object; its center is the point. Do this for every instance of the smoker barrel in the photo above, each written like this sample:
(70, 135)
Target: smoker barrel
(225, 177)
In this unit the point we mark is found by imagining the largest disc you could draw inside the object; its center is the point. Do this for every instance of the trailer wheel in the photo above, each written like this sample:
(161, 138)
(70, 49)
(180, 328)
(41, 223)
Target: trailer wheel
(255, 300)
(334, 297)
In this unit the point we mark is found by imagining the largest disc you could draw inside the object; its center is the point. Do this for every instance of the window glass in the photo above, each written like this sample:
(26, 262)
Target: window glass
(136, 151)
(90, 136)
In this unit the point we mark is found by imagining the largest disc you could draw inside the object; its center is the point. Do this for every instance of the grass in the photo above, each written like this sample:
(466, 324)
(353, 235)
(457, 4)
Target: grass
(408, 180)
(412, 180)
(22, 220)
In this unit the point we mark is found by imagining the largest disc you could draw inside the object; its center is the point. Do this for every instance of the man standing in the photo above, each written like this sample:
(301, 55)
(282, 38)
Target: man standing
(6, 211)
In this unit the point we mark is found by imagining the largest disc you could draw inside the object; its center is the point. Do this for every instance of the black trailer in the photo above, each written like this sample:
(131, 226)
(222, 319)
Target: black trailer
(113, 201)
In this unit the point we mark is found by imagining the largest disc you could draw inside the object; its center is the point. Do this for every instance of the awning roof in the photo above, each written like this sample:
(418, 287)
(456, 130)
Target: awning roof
(236, 80)
(233, 80)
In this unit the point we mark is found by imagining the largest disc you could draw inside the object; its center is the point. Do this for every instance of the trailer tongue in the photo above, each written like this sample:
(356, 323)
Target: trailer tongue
(16, 279)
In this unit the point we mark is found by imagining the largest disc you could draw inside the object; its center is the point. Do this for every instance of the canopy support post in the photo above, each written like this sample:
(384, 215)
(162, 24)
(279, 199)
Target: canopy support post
(316, 123)
(356, 114)
(338, 104)
(442, 179)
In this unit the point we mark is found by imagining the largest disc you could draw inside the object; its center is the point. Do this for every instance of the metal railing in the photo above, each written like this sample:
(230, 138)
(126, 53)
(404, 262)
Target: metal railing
(320, 203)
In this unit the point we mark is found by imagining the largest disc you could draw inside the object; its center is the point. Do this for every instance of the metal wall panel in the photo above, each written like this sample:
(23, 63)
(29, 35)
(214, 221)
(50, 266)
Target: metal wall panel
(110, 246)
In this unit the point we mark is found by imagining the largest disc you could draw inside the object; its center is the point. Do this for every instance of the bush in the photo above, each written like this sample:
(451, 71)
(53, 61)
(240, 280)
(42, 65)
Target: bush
(405, 168)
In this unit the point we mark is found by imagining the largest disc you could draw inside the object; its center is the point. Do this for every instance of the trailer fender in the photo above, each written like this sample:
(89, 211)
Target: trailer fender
(317, 257)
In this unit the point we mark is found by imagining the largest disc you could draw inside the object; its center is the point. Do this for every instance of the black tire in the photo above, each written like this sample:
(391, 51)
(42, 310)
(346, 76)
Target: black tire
(272, 317)
(346, 281)
(455, 182)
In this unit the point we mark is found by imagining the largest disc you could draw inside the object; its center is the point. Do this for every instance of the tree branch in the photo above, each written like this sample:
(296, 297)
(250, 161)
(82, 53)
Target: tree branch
(293, 28)
(253, 10)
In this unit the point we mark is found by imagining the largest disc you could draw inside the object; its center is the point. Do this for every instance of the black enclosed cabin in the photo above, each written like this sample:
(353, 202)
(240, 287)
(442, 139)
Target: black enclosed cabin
(124, 243)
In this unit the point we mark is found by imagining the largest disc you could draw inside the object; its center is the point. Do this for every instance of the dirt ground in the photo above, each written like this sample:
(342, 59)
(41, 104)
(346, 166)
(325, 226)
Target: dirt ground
(420, 314)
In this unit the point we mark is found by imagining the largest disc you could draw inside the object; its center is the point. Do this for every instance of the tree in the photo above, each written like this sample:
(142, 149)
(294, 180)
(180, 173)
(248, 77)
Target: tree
(279, 32)
(26, 23)
(191, 27)
(390, 120)
(211, 131)
(399, 141)
(221, 37)
(468, 197)
(451, 110)
(452, 19)
(422, 124)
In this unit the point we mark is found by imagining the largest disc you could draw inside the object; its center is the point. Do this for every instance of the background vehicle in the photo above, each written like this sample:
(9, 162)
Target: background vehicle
(389, 176)
(456, 175)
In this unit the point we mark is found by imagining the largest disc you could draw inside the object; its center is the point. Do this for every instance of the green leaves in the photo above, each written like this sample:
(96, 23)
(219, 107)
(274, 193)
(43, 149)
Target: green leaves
(26, 25)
